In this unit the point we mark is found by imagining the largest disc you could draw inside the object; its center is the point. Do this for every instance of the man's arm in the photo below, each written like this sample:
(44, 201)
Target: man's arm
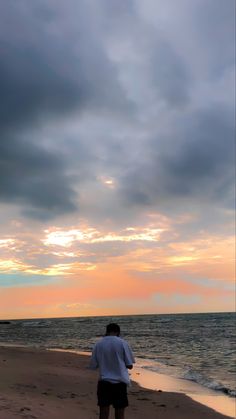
(128, 356)
(94, 361)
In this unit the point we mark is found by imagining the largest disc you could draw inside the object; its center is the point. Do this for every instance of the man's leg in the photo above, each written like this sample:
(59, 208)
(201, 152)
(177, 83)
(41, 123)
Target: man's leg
(104, 412)
(120, 413)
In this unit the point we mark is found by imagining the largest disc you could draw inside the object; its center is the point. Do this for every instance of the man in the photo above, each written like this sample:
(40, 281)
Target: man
(113, 356)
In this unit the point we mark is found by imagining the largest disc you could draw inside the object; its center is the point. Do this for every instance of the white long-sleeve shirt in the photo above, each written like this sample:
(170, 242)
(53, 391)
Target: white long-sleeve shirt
(112, 355)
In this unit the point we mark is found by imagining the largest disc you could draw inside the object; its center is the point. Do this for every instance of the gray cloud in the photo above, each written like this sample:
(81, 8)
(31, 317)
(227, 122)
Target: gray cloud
(139, 91)
(169, 74)
(45, 71)
(48, 70)
(194, 162)
(214, 24)
(35, 177)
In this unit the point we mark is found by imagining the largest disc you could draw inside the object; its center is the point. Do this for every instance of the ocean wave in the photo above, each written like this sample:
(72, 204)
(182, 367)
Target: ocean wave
(160, 366)
(36, 323)
(206, 382)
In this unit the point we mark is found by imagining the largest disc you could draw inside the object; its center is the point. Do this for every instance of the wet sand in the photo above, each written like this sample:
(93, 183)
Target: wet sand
(58, 385)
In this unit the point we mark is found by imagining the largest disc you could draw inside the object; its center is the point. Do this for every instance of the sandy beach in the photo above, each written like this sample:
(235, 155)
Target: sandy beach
(58, 385)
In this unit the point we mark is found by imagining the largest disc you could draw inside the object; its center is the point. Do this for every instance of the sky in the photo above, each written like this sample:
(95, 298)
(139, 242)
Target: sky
(116, 157)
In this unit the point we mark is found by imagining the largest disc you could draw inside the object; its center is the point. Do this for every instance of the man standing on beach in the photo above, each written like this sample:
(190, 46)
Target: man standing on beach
(113, 356)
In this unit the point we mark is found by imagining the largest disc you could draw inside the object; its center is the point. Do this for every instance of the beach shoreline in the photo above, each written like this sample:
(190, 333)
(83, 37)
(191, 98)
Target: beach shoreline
(39, 383)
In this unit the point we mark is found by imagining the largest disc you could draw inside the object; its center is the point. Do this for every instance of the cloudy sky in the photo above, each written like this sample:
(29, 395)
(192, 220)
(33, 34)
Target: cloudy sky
(116, 157)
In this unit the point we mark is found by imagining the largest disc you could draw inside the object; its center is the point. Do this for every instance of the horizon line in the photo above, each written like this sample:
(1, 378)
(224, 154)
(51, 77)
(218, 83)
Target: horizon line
(117, 315)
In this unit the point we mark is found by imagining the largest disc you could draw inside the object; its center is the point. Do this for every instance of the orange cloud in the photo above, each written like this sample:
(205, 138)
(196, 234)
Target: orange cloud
(151, 262)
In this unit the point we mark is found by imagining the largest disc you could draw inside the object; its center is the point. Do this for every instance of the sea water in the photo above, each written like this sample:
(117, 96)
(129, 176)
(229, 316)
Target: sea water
(195, 347)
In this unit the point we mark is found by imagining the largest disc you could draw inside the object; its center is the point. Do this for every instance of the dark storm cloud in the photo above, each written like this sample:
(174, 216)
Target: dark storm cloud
(194, 162)
(49, 68)
(44, 71)
(32, 86)
(204, 155)
(35, 177)
(169, 75)
(214, 22)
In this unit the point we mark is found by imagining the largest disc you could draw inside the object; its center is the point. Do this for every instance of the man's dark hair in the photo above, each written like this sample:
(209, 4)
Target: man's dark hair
(113, 328)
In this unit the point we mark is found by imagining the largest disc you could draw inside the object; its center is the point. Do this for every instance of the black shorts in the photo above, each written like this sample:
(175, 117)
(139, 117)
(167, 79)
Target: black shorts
(114, 394)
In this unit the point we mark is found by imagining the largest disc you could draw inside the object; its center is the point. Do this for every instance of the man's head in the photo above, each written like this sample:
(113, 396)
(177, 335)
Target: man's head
(113, 329)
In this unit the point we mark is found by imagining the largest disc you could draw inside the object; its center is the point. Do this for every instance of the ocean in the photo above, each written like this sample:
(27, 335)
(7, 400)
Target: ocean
(195, 347)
